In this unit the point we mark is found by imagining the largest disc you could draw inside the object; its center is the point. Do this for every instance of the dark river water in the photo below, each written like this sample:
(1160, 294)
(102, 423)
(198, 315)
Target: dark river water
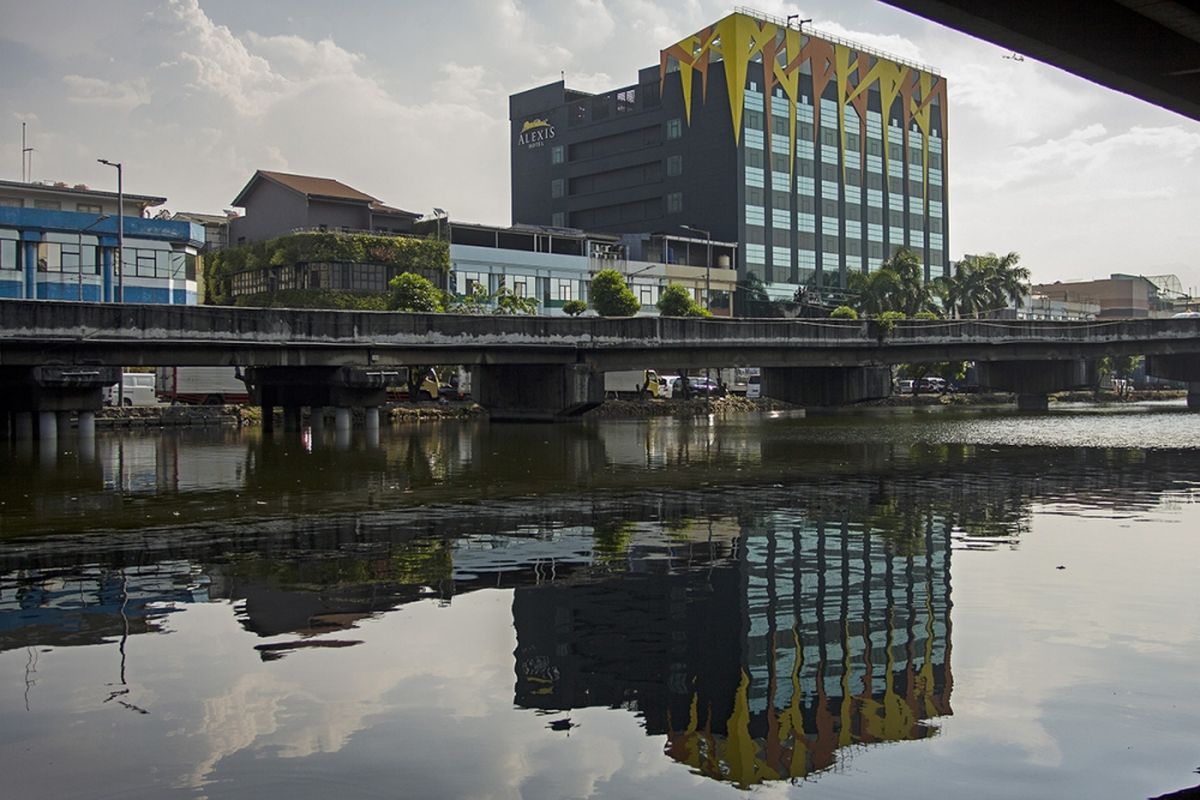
(900, 604)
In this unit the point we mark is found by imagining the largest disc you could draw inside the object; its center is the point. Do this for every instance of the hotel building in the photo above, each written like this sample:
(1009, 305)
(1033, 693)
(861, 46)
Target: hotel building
(819, 157)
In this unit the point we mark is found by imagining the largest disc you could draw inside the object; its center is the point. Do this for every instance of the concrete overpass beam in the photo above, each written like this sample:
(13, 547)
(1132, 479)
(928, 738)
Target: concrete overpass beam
(1033, 381)
(541, 392)
(826, 386)
(1182, 367)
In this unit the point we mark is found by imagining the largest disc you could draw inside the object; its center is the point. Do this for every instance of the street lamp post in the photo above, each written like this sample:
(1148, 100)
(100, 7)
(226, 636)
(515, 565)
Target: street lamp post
(83, 230)
(120, 229)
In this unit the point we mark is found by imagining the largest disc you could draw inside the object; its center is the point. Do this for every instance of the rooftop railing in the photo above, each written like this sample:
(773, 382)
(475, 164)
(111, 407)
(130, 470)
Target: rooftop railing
(829, 37)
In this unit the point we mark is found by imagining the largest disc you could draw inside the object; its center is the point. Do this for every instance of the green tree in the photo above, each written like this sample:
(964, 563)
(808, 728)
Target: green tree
(412, 292)
(574, 308)
(677, 301)
(898, 285)
(611, 296)
(982, 283)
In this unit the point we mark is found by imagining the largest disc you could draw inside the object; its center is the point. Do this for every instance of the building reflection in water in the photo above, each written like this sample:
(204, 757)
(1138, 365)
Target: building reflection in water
(761, 627)
(809, 636)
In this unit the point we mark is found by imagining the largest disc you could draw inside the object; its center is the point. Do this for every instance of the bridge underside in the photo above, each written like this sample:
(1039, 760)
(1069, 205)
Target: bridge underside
(1150, 50)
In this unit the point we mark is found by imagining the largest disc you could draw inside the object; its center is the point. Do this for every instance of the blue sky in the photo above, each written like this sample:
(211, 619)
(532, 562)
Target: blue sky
(408, 101)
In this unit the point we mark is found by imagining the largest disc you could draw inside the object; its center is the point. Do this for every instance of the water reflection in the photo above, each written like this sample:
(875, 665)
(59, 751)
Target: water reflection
(762, 605)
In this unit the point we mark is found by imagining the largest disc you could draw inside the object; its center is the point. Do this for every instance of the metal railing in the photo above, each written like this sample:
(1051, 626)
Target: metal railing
(829, 37)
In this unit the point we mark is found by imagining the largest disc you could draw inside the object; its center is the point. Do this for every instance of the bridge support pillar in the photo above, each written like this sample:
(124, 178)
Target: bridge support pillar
(47, 393)
(48, 426)
(342, 420)
(23, 425)
(1183, 367)
(87, 425)
(315, 387)
(1033, 402)
(537, 392)
(1033, 381)
(826, 386)
(316, 419)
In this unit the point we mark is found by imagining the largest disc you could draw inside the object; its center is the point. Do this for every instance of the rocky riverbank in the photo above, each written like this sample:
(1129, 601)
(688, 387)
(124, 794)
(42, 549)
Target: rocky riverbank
(696, 407)
(167, 416)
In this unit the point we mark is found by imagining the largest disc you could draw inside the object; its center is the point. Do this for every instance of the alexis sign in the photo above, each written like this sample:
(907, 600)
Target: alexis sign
(535, 133)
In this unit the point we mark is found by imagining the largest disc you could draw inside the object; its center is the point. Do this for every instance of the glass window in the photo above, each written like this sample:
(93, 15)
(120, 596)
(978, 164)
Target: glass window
(557, 187)
(49, 257)
(829, 136)
(828, 172)
(674, 166)
(674, 128)
(88, 208)
(754, 158)
(754, 120)
(755, 196)
(675, 203)
(557, 156)
(50, 205)
(8, 254)
(558, 219)
(10, 202)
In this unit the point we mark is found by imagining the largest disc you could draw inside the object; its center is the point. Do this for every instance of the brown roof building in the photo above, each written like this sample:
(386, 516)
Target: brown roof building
(280, 202)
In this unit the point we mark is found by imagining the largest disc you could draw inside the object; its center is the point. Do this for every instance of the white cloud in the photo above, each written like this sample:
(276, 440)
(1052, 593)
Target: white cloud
(97, 92)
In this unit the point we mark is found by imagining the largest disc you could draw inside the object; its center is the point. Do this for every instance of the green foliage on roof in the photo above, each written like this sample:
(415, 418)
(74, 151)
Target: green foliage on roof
(426, 256)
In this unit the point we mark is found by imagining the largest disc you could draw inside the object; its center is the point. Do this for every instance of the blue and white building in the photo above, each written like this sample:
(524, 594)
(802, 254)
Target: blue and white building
(60, 242)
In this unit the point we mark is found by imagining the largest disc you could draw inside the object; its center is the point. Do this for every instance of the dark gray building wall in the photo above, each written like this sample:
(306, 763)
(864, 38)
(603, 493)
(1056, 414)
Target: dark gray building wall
(334, 215)
(271, 210)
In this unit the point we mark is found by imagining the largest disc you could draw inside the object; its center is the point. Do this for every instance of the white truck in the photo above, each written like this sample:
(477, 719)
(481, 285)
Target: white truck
(205, 386)
(632, 384)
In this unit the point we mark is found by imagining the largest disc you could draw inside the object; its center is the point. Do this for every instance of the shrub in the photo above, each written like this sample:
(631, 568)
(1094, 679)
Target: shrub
(843, 312)
(677, 301)
(412, 292)
(888, 319)
(574, 307)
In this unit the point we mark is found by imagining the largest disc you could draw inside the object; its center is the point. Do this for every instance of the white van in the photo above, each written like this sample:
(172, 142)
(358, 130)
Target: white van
(754, 387)
(137, 388)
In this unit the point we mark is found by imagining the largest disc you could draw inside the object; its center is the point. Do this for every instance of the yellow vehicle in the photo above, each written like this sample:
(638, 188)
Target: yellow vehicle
(633, 384)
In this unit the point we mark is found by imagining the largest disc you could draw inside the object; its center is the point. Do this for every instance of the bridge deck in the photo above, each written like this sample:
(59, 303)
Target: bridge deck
(45, 332)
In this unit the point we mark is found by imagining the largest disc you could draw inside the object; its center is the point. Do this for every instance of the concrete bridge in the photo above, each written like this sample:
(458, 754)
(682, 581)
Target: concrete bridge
(54, 353)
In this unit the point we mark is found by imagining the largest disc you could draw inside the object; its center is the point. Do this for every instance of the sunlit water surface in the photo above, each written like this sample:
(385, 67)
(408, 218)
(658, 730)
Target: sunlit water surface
(888, 604)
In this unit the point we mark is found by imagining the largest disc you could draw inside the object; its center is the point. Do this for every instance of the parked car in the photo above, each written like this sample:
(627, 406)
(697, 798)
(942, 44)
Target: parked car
(930, 385)
(1186, 315)
(904, 386)
(700, 387)
(754, 387)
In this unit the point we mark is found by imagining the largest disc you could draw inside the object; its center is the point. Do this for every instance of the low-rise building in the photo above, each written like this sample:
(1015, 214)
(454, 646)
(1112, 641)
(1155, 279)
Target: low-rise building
(1120, 295)
(60, 242)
